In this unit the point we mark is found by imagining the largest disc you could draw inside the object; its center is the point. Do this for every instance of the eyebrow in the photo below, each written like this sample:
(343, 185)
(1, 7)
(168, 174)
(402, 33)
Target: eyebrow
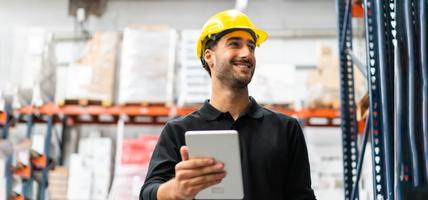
(239, 38)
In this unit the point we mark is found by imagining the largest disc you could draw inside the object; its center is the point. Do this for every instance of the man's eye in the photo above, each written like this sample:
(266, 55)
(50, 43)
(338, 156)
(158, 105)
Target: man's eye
(252, 47)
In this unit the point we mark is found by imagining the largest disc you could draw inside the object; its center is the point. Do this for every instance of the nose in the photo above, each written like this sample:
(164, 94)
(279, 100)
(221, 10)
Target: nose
(246, 52)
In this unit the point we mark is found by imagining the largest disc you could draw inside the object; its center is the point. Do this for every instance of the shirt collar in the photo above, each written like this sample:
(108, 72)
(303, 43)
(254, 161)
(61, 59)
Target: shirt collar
(253, 110)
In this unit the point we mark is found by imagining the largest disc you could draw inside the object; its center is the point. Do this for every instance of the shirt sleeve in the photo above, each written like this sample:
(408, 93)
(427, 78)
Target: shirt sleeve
(298, 174)
(162, 164)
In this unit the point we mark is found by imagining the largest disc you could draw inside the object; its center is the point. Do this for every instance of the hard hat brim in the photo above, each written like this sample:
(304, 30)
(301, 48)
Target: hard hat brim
(260, 34)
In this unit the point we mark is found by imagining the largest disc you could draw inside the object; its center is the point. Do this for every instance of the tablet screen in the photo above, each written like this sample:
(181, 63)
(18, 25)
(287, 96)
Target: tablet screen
(223, 145)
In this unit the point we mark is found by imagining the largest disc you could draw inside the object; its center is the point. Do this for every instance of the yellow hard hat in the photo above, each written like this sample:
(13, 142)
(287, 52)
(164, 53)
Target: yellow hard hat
(226, 20)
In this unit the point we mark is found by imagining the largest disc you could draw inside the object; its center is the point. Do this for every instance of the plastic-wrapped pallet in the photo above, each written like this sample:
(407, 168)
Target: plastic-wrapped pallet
(274, 84)
(31, 55)
(274, 80)
(92, 77)
(93, 166)
(147, 64)
(325, 157)
(132, 169)
(80, 179)
(195, 83)
(97, 157)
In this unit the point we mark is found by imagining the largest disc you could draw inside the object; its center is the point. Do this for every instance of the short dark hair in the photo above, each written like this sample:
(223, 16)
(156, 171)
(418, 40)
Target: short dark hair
(209, 44)
(213, 40)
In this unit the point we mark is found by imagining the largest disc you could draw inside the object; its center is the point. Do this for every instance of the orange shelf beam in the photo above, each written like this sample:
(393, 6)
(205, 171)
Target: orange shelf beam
(158, 111)
(155, 111)
(17, 197)
(357, 10)
(3, 118)
(326, 113)
(51, 109)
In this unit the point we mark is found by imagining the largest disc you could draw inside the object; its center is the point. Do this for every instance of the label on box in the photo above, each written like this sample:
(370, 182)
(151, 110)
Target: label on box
(138, 151)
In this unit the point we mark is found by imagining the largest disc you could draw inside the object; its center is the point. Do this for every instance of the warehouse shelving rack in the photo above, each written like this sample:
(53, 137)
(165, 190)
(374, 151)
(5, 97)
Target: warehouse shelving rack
(69, 115)
(396, 45)
(5, 125)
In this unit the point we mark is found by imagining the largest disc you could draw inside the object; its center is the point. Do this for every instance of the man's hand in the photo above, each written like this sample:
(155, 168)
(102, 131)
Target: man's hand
(191, 176)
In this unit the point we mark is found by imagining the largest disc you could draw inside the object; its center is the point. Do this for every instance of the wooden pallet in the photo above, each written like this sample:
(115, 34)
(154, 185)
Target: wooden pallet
(324, 105)
(283, 106)
(84, 102)
(145, 104)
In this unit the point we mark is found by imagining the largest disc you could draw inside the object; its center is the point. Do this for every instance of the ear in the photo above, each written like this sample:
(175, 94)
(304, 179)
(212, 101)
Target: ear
(209, 57)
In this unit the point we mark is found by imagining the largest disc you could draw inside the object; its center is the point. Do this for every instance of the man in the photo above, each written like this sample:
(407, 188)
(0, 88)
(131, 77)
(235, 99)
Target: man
(273, 151)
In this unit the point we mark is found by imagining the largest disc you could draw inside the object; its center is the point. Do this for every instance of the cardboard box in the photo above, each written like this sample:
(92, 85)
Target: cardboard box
(100, 185)
(80, 179)
(323, 83)
(58, 183)
(95, 154)
(92, 77)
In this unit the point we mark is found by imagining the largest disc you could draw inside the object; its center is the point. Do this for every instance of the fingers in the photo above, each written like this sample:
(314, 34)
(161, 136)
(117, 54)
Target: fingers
(195, 174)
(183, 174)
(194, 163)
(193, 190)
(203, 180)
(184, 153)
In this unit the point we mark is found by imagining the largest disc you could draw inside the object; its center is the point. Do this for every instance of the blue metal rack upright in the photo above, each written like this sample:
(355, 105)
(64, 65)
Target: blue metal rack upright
(44, 180)
(378, 36)
(27, 187)
(348, 108)
(397, 75)
(5, 135)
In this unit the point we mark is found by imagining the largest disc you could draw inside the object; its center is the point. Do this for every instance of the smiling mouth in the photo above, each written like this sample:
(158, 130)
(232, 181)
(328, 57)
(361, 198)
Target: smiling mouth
(242, 64)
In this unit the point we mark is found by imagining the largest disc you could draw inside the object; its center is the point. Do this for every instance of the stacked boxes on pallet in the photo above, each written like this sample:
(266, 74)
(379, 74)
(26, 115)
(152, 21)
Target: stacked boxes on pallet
(92, 77)
(325, 157)
(90, 170)
(324, 81)
(195, 84)
(30, 55)
(274, 80)
(147, 64)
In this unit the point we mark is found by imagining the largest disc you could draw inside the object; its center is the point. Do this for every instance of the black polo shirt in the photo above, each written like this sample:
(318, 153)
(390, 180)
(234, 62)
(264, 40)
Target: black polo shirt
(274, 157)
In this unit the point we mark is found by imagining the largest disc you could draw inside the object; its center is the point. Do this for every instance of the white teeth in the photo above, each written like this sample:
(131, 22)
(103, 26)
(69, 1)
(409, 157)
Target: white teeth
(243, 64)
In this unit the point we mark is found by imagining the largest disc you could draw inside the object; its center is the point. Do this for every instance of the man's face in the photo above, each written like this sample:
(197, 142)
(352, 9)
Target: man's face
(233, 59)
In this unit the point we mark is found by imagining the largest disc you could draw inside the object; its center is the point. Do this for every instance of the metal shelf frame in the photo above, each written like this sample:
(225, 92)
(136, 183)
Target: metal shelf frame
(70, 115)
(378, 34)
(397, 75)
(349, 124)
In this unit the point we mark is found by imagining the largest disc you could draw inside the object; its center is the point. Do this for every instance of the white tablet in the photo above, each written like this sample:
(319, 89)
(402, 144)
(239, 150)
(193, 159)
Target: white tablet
(223, 145)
